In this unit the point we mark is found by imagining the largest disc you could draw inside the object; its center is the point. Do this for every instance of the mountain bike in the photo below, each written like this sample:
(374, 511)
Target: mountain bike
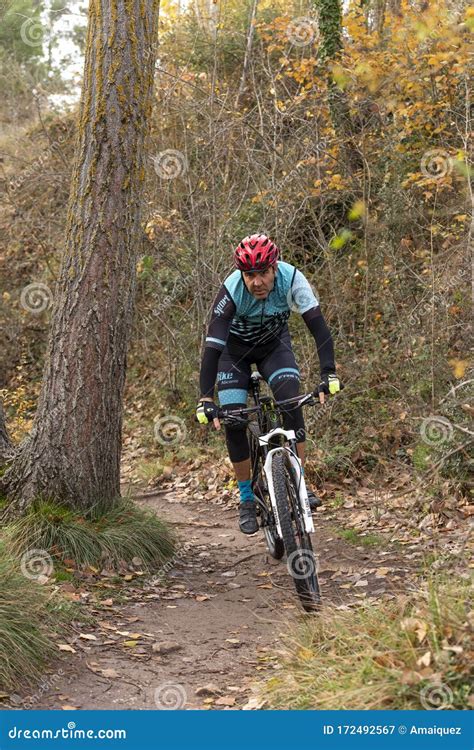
(283, 509)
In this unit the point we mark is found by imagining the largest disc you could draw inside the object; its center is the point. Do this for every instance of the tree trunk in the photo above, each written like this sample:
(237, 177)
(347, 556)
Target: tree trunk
(395, 7)
(330, 29)
(72, 454)
(248, 53)
(6, 446)
(379, 16)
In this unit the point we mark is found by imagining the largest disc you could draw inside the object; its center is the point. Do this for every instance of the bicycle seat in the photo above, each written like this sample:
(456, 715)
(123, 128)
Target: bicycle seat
(256, 376)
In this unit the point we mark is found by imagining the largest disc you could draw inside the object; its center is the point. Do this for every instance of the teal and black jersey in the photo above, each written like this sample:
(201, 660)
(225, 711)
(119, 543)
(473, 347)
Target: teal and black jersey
(237, 313)
(240, 322)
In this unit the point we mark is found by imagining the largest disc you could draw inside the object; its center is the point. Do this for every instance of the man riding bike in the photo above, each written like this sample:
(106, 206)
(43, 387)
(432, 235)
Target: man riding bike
(249, 326)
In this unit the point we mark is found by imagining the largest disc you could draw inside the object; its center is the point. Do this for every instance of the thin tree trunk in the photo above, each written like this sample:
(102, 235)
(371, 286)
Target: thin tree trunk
(248, 52)
(73, 451)
(379, 16)
(395, 7)
(330, 29)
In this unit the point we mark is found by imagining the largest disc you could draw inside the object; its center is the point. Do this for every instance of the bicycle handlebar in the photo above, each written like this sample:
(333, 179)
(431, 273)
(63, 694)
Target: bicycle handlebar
(295, 402)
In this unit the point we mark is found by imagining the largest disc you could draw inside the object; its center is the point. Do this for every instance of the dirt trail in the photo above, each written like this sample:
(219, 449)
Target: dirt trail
(219, 618)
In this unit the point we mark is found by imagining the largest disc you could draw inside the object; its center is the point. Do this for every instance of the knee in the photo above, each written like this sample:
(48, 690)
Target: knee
(285, 385)
(236, 437)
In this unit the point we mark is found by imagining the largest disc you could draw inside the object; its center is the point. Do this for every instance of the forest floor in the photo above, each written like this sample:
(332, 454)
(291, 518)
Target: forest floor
(207, 632)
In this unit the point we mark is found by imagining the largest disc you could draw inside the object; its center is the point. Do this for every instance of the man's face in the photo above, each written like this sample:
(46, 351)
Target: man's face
(260, 283)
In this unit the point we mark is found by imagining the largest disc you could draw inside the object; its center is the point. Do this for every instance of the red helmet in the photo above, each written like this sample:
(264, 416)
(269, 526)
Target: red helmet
(255, 253)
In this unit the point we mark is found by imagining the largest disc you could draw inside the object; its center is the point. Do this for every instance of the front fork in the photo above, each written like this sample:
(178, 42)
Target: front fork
(297, 468)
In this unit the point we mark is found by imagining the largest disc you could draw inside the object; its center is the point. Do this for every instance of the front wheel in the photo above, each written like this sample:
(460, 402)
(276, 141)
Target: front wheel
(264, 507)
(301, 561)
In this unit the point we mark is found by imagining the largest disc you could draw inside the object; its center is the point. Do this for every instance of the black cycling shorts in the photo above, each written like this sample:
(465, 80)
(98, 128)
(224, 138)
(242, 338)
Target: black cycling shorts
(277, 365)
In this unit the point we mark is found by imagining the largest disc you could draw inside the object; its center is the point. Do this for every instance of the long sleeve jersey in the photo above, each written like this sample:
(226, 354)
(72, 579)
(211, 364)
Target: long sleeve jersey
(239, 319)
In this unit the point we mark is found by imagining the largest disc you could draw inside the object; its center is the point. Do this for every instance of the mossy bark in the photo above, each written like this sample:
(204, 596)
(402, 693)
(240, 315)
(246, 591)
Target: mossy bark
(330, 28)
(6, 447)
(73, 451)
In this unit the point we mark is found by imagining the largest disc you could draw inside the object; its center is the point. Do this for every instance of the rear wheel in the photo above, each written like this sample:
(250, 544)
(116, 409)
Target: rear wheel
(301, 561)
(260, 488)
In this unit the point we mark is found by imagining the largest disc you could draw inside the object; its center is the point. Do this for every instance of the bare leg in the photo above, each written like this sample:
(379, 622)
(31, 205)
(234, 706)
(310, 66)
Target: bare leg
(242, 468)
(300, 449)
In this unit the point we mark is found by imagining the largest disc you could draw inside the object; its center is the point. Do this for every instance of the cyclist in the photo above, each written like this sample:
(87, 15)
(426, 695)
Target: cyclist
(249, 326)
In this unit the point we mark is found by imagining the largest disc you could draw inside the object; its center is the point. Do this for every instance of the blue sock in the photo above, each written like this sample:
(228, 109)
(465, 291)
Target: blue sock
(245, 489)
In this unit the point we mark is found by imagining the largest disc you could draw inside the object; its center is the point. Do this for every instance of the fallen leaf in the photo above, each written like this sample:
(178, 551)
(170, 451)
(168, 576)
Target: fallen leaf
(66, 707)
(209, 689)
(413, 625)
(454, 649)
(361, 582)
(166, 647)
(254, 704)
(381, 572)
(202, 598)
(385, 660)
(304, 653)
(66, 647)
(409, 677)
(232, 640)
(130, 644)
(88, 636)
(226, 700)
(425, 660)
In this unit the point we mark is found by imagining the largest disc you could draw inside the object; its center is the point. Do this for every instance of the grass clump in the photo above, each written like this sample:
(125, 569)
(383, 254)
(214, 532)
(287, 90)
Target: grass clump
(409, 653)
(363, 540)
(26, 620)
(101, 537)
